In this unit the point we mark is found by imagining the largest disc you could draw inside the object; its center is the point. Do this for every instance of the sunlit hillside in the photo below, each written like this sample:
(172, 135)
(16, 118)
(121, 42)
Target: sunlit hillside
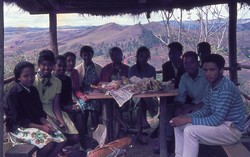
(25, 43)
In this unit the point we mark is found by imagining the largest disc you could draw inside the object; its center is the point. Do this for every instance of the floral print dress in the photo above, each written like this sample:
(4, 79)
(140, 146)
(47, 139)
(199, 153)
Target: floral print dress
(35, 137)
(90, 78)
(22, 107)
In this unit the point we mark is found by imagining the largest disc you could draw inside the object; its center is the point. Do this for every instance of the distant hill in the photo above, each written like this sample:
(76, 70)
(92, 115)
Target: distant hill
(27, 42)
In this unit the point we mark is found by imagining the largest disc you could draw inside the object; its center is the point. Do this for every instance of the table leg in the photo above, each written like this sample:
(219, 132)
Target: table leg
(163, 119)
(107, 116)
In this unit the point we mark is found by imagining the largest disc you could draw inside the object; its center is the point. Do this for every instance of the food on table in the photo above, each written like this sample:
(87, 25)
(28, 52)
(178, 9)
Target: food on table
(134, 84)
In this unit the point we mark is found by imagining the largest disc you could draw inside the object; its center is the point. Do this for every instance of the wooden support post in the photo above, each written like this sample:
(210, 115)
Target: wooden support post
(53, 33)
(1, 74)
(164, 119)
(107, 116)
(232, 43)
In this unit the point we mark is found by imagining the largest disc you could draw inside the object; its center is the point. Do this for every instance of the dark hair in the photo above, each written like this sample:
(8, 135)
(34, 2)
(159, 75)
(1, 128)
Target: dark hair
(46, 55)
(60, 57)
(204, 45)
(215, 58)
(67, 54)
(176, 45)
(192, 54)
(87, 49)
(143, 49)
(19, 68)
(115, 49)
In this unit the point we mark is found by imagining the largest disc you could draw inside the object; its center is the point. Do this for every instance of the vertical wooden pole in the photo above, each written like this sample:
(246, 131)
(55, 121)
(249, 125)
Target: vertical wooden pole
(232, 41)
(53, 32)
(164, 118)
(107, 118)
(1, 74)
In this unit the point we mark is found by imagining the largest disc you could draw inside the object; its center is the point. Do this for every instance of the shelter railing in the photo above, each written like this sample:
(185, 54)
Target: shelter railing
(159, 72)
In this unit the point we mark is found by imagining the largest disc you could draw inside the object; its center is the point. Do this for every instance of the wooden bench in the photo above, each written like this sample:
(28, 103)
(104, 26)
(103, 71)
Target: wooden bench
(21, 150)
(236, 150)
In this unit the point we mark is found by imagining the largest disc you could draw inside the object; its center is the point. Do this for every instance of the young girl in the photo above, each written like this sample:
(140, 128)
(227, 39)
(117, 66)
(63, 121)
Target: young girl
(74, 75)
(26, 120)
(90, 77)
(66, 101)
(49, 88)
(78, 94)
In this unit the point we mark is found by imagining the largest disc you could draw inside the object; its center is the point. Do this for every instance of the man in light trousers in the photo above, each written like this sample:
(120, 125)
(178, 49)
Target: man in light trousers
(221, 119)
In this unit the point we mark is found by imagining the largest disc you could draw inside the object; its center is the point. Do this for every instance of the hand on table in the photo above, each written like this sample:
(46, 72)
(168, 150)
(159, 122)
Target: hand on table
(84, 97)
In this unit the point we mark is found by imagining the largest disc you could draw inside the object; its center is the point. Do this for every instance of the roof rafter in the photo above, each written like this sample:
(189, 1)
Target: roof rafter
(111, 7)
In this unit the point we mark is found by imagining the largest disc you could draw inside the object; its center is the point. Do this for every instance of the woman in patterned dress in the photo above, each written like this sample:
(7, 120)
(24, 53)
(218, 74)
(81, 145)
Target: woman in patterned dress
(90, 77)
(26, 120)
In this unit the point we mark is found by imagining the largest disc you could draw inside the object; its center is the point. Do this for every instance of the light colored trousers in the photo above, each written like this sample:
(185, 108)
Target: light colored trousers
(188, 137)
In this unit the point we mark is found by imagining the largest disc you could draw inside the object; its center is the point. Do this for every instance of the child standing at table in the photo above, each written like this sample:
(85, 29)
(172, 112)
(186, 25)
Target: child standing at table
(90, 77)
(49, 88)
(26, 120)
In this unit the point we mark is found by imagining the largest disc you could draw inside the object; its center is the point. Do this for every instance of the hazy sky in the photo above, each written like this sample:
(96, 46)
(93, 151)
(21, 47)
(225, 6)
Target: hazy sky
(15, 17)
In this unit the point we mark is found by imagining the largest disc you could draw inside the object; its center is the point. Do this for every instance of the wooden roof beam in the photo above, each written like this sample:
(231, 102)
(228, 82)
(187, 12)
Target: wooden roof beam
(55, 4)
(50, 4)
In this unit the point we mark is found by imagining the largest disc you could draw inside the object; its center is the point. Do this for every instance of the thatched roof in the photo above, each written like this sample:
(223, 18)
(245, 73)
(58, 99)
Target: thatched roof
(110, 7)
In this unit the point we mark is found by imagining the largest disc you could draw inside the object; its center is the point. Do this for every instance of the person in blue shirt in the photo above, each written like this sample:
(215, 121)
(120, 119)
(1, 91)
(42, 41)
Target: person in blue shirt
(220, 121)
(143, 69)
(192, 87)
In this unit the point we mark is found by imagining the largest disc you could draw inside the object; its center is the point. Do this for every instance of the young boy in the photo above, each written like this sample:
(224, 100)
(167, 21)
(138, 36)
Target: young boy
(221, 119)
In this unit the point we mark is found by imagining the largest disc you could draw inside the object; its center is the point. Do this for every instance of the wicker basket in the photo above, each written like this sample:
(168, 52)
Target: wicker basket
(119, 145)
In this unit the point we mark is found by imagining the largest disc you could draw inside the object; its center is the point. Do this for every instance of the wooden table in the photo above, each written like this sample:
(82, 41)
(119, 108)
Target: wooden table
(164, 115)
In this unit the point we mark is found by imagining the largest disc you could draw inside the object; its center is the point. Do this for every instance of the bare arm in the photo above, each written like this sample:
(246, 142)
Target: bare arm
(81, 95)
(57, 109)
(44, 127)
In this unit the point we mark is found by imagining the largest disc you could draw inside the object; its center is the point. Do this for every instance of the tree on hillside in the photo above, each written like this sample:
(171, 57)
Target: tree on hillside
(175, 29)
(212, 27)
(166, 15)
(148, 38)
(213, 24)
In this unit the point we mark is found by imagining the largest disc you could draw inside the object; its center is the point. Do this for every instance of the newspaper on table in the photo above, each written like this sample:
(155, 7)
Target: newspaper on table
(123, 94)
(135, 85)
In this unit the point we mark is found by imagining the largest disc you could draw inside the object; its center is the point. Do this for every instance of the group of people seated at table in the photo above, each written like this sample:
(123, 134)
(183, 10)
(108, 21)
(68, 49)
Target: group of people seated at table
(50, 109)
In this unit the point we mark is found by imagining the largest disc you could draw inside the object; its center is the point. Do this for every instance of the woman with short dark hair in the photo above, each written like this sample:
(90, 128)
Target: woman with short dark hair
(26, 120)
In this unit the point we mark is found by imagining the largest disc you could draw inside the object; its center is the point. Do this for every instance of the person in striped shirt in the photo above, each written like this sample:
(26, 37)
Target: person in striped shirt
(221, 119)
